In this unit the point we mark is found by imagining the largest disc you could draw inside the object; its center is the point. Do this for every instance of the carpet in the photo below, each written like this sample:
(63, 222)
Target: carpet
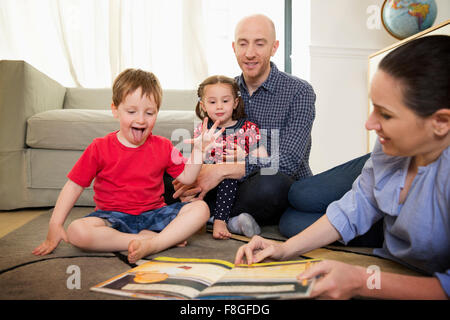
(52, 277)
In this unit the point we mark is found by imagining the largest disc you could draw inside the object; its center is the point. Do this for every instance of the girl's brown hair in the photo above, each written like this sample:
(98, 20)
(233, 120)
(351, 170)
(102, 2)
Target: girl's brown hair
(237, 113)
(131, 79)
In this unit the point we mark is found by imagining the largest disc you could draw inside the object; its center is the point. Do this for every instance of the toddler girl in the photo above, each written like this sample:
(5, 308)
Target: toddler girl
(219, 99)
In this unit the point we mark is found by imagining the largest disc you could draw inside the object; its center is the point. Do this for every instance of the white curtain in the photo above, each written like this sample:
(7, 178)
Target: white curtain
(87, 43)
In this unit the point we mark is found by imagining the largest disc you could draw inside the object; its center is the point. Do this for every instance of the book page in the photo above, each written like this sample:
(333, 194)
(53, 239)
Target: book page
(182, 278)
(264, 280)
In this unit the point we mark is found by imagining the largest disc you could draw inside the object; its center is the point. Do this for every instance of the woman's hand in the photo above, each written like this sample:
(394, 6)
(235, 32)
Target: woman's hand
(337, 280)
(257, 250)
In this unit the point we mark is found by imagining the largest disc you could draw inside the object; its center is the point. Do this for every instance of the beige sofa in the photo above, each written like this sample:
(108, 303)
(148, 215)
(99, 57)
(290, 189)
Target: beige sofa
(44, 128)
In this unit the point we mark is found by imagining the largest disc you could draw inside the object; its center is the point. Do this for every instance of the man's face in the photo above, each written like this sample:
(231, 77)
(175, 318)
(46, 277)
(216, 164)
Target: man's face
(254, 45)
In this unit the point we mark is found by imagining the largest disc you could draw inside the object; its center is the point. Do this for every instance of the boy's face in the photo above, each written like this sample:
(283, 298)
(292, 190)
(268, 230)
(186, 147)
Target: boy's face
(137, 116)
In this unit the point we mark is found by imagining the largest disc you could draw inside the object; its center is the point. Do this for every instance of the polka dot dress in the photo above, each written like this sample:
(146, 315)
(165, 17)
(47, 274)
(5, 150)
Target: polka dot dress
(226, 194)
(245, 134)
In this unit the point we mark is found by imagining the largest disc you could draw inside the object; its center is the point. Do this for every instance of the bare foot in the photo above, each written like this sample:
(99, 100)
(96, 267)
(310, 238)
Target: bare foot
(138, 249)
(182, 244)
(148, 234)
(220, 230)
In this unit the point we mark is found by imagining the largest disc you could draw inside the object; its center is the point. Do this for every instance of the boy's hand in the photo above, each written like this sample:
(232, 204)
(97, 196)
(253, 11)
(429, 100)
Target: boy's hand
(54, 236)
(206, 140)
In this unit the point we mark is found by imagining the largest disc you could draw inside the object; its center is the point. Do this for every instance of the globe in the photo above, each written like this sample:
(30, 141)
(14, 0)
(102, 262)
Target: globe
(403, 18)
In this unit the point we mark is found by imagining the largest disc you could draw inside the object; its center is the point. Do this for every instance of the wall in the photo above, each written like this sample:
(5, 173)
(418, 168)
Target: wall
(340, 43)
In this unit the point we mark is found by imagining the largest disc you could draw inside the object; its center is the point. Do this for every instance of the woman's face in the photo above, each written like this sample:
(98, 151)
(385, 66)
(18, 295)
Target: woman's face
(401, 132)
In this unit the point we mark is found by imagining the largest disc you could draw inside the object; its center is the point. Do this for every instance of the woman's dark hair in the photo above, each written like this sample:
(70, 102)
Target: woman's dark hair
(423, 68)
(237, 113)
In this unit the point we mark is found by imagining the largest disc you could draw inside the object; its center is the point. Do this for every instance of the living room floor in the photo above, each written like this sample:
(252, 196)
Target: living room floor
(12, 220)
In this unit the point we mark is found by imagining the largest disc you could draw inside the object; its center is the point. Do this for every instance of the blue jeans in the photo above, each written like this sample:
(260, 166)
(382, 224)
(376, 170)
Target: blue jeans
(310, 197)
(154, 220)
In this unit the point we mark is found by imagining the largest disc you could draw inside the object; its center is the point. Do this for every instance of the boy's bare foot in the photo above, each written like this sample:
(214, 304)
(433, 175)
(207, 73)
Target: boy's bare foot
(148, 234)
(139, 248)
(220, 230)
(182, 244)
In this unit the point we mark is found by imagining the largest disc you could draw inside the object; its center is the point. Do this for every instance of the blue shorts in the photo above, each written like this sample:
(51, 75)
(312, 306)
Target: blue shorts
(154, 220)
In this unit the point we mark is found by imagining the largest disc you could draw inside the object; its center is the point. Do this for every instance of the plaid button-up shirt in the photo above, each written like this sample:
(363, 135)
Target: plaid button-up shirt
(283, 108)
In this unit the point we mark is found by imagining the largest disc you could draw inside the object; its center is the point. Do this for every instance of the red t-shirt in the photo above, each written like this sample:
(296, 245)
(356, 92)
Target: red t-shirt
(127, 179)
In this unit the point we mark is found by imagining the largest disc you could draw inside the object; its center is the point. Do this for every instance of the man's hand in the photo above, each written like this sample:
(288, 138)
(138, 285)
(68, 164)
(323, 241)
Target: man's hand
(208, 178)
(186, 193)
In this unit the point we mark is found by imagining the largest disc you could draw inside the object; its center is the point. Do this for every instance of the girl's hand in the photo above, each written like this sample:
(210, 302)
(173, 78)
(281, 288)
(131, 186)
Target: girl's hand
(234, 155)
(54, 237)
(338, 280)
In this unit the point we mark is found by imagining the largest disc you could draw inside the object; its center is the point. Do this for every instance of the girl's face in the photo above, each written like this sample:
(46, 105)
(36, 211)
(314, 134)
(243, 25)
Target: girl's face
(137, 116)
(219, 103)
(401, 132)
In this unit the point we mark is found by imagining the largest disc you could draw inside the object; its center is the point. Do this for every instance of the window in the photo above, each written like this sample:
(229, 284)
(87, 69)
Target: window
(87, 43)
(221, 18)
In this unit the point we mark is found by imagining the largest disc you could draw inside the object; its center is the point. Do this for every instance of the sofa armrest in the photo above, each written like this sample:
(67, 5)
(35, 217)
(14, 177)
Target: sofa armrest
(24, 91)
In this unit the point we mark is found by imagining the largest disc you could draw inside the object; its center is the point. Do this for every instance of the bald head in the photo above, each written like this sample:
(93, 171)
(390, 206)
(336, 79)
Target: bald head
(258, 22)
(254, 44)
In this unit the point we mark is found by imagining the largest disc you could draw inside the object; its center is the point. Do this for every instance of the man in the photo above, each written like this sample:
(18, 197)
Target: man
(283, 107)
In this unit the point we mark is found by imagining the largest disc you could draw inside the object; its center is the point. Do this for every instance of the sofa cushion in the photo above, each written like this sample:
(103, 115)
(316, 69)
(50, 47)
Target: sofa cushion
(74, 129)
(101, 99)
(179, 100)
(84, 98)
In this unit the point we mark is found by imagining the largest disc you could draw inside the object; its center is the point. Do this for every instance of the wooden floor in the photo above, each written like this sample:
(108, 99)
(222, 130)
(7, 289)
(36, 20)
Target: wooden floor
(11, 220)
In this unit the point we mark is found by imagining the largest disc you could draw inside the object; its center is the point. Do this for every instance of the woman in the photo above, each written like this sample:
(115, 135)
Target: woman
(405, 182)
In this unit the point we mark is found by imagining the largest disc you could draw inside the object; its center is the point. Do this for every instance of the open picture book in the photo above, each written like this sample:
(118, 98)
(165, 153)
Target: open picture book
(175, 278)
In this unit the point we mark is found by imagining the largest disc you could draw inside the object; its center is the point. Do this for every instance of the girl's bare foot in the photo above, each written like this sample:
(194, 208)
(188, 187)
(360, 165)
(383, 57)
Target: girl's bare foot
(220, 230)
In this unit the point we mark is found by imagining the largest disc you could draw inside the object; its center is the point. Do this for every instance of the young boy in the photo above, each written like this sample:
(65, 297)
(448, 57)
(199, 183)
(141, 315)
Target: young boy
(128, 167)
